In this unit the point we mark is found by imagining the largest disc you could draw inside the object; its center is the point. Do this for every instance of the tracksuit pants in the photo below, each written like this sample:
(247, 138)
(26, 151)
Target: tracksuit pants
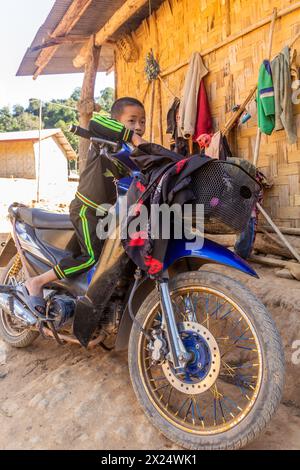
(85, 221)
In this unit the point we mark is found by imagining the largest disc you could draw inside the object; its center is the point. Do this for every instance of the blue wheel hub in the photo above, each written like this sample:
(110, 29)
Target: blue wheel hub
(199, 365)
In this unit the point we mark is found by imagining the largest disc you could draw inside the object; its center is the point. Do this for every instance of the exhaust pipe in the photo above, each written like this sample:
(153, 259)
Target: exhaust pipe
(14, 307)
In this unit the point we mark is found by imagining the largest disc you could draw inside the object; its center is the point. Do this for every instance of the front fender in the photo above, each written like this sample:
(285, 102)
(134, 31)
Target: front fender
(210, 252)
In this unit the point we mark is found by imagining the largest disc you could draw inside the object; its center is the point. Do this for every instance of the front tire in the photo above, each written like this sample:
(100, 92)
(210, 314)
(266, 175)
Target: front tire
(212, 420)
(12, 331)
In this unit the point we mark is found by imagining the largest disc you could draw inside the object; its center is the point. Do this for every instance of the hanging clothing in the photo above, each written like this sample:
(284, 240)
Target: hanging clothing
(166, 180)
(265, 99)
(189, 103)
(177, 144)
(204, 123)
(172, 118)
(281, 72)
(218, 147)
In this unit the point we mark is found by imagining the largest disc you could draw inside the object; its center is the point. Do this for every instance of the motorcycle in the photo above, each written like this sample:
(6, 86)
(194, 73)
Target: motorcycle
(205, 358)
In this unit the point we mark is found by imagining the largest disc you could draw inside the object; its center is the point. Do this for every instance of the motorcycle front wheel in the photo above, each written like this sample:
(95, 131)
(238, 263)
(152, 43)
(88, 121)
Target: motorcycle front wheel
(233, 383)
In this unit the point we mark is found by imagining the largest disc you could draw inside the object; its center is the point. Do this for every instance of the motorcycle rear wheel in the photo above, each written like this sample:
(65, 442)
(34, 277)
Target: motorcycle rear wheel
(11, 330)
(230, 392)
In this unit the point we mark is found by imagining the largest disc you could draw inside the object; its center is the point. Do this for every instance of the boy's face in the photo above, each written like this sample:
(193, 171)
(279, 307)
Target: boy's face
(133, 117)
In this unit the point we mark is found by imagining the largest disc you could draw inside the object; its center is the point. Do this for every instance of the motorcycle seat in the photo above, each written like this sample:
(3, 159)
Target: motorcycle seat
(39, 218)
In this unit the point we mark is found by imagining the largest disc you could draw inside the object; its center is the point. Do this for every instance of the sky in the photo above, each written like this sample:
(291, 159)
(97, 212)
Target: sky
(19, 23)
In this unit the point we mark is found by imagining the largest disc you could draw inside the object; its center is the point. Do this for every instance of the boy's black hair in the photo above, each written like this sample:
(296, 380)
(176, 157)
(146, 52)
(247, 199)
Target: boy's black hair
(119, 105)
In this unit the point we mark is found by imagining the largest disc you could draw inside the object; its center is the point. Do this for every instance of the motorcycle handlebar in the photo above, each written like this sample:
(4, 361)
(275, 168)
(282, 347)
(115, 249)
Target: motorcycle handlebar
(84, 133)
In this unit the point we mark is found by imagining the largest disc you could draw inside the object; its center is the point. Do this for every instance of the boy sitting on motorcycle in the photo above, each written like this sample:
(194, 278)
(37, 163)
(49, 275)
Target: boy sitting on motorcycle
(127, 124)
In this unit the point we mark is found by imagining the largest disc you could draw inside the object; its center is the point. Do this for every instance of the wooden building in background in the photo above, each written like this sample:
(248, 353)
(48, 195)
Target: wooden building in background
(22, 156)
(232, 37)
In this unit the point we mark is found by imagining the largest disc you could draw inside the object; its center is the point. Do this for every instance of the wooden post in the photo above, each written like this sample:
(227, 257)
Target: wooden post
(159, 94)
(86, 104)
(226, 13)
(160, 117)
(39, 161)
(153, 83)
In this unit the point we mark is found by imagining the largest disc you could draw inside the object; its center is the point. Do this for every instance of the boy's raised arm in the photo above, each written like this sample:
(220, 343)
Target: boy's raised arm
(110, 129)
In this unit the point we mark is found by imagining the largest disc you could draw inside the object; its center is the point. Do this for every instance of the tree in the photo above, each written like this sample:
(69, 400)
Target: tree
(34, 107)
(7, 121)
(17, 110)
(106, 98)
(55, 114)
(27, 122)
(76, 94)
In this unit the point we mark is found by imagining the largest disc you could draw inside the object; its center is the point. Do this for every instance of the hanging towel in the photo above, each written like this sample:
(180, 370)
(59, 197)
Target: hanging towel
(189, 102)
(204, 120)
(281, 72)
(265, 99)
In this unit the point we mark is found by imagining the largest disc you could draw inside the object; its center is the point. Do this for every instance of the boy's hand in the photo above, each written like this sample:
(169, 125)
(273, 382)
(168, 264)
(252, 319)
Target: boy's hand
(110, 129)
(137, 140)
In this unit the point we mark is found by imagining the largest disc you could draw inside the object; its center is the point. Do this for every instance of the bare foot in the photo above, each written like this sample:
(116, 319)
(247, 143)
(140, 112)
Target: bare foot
(34, 287)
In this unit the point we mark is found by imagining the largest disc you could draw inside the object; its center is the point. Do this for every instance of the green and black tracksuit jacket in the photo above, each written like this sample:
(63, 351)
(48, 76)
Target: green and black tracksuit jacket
(94, 188)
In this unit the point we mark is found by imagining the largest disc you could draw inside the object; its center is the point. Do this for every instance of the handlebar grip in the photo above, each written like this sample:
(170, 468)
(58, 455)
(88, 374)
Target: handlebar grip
(84, 133)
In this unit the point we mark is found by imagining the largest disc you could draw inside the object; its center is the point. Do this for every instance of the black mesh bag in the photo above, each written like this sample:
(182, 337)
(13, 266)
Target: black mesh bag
(227, 192)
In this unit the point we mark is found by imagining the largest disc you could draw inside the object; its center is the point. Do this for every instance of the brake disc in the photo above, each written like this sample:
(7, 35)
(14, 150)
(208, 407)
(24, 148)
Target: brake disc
(203, 369)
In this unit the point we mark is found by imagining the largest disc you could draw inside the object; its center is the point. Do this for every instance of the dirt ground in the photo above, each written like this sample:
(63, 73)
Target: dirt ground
(24, 191)
(64, 397)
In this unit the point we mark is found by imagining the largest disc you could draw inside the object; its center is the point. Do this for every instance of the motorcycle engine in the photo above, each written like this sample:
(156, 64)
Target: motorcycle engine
(62, 308)
(111, 317)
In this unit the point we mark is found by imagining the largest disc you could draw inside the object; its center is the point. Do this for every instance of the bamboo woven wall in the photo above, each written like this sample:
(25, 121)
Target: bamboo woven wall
(17, 160)
(186, 26)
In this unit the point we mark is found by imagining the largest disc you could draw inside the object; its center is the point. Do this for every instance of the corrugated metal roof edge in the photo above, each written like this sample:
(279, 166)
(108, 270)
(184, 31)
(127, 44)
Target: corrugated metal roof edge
(57, 134)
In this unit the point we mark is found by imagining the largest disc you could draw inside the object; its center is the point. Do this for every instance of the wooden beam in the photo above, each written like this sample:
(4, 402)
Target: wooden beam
(71, 39)
(286, 230)
(268, 261)
(68, 21)
(234, 37)
(281, 236)
(86, 104)
(127, 10)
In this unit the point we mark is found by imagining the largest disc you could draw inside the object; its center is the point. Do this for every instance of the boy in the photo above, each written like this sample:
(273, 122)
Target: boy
(127, 124)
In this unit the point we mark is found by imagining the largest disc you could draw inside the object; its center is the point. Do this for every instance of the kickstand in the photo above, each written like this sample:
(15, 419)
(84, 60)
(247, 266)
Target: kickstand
(41, 330)
(57, 338)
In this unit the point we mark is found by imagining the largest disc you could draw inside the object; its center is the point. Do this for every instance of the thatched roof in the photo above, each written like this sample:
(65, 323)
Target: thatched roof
(92, 20)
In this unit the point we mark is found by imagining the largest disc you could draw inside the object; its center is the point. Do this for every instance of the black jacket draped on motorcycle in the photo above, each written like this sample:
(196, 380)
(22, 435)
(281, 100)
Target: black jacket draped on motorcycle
(165, 178)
